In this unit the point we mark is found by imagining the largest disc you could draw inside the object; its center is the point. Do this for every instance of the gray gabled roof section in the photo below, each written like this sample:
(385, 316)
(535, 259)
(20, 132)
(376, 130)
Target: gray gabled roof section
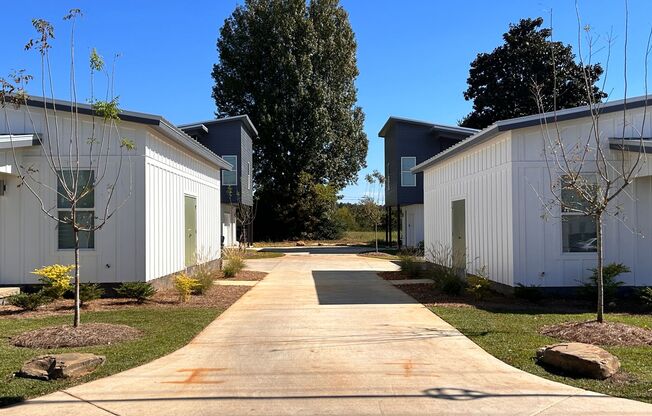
(155, 121)
(530, 121)
(434, 127)
(243, 118)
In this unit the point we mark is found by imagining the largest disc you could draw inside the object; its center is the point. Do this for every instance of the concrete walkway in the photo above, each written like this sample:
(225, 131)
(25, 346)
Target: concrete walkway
(322, 335)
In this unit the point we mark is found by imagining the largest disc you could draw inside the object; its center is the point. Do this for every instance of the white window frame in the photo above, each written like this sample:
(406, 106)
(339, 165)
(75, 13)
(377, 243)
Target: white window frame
(249, 174)
(408, 171)
(235, 170)
(66, 209)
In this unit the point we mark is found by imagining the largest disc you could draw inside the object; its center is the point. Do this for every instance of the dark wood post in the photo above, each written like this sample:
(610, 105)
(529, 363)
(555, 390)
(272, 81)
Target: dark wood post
(398, 220)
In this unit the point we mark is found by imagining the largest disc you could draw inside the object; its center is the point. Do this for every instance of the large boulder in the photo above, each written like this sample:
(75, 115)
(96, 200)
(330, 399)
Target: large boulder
(56, 366)
(579, 359)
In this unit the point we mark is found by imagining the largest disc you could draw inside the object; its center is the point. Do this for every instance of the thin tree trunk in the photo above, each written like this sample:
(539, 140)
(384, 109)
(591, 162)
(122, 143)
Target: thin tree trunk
(600, 281)
(77, 318)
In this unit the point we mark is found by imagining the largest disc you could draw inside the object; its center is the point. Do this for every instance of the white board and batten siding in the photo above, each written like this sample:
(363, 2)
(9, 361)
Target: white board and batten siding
(144, 240)
(539, 258)
(505, 183)
(482, 177)
(28, 239)
(172, 173)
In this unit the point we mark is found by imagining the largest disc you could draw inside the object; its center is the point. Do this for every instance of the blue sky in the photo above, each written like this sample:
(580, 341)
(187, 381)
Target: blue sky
(413, 55)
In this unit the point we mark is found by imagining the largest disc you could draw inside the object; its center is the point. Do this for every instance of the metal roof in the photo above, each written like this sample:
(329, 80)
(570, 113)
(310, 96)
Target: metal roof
(434, 127)
(243, 118)
(533, 120)
(155, 121)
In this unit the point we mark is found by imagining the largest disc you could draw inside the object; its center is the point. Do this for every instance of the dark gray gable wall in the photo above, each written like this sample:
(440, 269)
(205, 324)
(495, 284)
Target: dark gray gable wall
(226, 138)
(408, 139)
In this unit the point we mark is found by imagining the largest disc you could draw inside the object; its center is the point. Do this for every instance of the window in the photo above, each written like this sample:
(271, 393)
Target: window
(249, 175)
(407, 177)
(387, 176)
(230, 177)
(578, 231)
(85, 210)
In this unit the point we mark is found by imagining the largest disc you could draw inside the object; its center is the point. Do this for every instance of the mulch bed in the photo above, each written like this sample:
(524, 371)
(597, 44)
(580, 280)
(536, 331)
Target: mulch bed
(220, 297)
(243, 275)
(68, 336)
(592, 332)
(397, 275)
(379, 255)
(430, 295)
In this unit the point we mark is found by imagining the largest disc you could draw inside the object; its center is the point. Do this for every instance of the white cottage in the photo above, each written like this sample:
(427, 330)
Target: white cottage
(170, 185)
(483, 197)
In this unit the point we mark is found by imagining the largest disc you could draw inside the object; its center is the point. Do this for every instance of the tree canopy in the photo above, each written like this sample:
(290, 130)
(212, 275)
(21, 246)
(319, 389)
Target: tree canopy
(501, 83)
(291, 66)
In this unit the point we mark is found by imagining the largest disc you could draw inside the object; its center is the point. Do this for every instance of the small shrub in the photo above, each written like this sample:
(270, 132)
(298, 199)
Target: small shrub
(610, 285)
(531, 293)
(28, 301)
(185, 286)
(139, 291)
(56, 280)
(645, 296)
(479, 285)
(451, 284)
(89, 292)
(409, 265)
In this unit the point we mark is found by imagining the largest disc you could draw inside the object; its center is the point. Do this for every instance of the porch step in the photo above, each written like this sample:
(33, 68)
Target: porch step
(5, 292)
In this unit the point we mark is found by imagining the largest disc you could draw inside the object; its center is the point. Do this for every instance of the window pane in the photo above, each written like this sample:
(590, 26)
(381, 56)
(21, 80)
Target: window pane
(572, 201)
(66, 236)
(408, 179)
(578, 234)
(408, 163)
(85, 182)
(230, 177)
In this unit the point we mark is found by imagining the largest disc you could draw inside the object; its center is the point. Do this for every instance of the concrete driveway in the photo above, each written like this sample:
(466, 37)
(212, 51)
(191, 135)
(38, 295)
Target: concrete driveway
(323, 335)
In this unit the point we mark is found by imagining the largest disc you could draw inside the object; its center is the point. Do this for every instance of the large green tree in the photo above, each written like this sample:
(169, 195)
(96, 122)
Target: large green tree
(291, 66)
(501, 83)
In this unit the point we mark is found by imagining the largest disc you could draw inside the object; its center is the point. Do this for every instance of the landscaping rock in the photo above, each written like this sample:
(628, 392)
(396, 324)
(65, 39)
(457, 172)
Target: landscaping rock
(56, 366)
(300, 243)
(580, 359)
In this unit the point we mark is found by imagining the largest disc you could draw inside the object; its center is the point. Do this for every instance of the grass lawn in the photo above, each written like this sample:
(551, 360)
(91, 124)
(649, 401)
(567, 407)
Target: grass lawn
(165, 330)
(513, 338)
(254, 254)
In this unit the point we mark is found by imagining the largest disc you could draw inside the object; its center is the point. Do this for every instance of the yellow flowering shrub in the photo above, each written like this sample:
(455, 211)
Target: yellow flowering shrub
(56, 279)
(185, 285)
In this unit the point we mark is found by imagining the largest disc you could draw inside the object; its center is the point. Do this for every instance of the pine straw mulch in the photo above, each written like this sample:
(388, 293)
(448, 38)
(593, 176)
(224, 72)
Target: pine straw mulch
(220, 297)
(68, 336)
(379, 255)
(429, 295)
(592, 332)
(395, 275)
(247, 275)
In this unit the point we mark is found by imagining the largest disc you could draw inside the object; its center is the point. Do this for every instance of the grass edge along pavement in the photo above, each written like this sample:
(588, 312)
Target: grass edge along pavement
(164, 330)
(513, 338)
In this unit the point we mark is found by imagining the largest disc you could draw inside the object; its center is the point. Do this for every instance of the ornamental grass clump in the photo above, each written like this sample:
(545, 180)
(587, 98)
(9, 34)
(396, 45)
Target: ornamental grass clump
(233, 262)
(56, 280)
(185, 286)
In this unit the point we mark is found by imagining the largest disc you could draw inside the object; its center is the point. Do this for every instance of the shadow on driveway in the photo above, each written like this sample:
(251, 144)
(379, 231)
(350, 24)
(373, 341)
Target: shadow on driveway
(355, 287)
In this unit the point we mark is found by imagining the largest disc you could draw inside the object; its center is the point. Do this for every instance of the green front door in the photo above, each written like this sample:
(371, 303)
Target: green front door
(190, 203)
(458, 227)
